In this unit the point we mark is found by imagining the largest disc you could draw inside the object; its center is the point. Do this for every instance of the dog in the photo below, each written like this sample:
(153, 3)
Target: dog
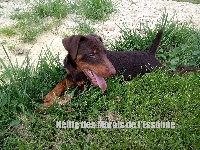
(89, 60)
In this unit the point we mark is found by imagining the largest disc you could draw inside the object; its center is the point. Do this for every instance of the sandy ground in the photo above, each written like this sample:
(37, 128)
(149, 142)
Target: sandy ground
(129, 13)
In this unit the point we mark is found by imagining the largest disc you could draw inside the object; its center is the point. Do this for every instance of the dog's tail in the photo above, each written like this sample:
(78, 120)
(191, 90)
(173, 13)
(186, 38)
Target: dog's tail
(156, 42)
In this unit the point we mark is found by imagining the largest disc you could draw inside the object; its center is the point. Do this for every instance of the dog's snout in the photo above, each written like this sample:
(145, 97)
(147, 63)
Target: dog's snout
(111, 71)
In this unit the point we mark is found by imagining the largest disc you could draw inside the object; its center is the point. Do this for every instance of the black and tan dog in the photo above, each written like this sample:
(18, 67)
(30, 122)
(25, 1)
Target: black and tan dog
(89, 59)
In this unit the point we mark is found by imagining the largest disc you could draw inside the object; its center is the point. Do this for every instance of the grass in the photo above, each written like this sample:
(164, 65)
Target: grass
(94, 9)
(83, 28)
(153, 97)
(191, 1)
(53, 8)
(8, 31)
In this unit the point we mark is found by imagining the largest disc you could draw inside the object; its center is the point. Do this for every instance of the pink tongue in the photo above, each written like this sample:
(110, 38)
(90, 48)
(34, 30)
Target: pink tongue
(101, 82)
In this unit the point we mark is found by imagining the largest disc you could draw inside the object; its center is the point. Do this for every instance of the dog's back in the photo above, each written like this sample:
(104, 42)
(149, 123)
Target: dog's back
(133, 63)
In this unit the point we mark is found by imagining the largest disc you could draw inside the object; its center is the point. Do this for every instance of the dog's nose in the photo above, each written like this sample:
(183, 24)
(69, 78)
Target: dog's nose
(112, 71)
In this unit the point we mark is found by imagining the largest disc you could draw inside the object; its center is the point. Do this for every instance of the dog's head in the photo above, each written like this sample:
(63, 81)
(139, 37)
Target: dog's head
(87, 54)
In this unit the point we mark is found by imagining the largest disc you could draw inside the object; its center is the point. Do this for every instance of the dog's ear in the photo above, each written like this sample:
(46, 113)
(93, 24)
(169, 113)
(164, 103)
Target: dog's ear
(71, 44)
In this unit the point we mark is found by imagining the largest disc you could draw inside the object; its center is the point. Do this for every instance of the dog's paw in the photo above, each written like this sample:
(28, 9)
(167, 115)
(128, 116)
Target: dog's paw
(48, 97)
(46, 104)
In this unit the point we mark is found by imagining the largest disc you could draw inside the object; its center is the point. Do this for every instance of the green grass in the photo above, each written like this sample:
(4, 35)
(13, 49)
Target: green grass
(83, 28)
(191, 1)
(8, 31)
(53, 8)
(152, 97)
(94, 9)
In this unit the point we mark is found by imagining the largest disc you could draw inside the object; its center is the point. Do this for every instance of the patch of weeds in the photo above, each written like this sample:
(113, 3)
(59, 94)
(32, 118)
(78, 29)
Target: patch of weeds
(36, 27)
(16, 9)
(8, 31)
(11, 47)
(27, 1)
(51, 8)
(42, 17)
(64, 35)
(43, 9)
(24, 84)
(3, 42)
(30, 34)
(83, 28)
(180, 44)
(191, 1)
(94, 9)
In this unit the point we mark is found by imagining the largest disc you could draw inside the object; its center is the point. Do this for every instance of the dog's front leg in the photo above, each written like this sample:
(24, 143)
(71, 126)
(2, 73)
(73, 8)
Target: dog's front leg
(60, 88)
